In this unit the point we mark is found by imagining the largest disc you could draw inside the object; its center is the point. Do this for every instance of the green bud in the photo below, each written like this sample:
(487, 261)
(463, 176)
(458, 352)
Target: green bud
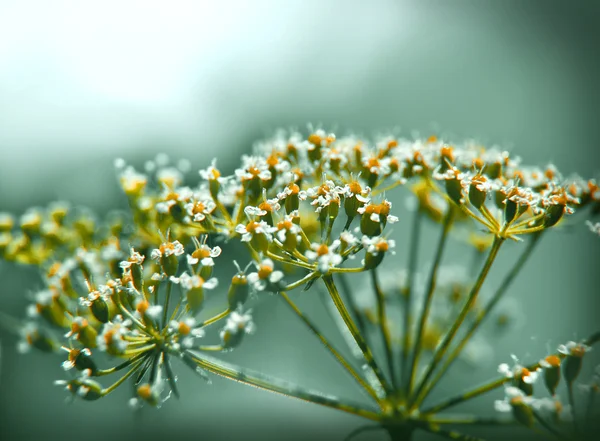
(238, 291)
(195, 299)
(99, 309)
(522, 412)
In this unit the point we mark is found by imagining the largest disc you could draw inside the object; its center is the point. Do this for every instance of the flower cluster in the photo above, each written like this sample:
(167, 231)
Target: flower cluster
(130, 290)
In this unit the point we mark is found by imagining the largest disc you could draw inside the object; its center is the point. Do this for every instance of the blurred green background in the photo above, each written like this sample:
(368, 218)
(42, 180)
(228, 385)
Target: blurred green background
(82, 83)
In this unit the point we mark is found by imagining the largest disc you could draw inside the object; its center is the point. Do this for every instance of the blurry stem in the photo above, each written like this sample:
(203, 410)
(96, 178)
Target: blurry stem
(290, 262)
(102, 372)
(475, 325)
(166, 305)
(301, 281)
(122, 379)
(494, 384)
(384, 328)
(418, 346)
(413, 258)
(472, 420)
(443, 347)
(360, 322)
(282, 387)
(330, 348)
(546, 425)
(572, 404)
(358, 338)
(449, 434)
(211, 320)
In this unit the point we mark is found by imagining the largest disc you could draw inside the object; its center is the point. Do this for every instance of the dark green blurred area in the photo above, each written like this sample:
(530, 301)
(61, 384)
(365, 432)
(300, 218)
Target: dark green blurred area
(521, 74)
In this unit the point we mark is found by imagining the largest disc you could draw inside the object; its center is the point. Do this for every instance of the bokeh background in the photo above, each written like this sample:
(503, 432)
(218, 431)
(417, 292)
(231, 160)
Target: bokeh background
(84, 82)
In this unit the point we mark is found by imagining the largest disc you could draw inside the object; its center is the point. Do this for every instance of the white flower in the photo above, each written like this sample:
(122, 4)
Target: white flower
(199, 209)
(376, 245)
(186, 331)
(253, 167)
(135, 258)
(111, 338)
(211, 173)
(594, 228)
(239, 321)
(204, 254)
(574, 349)
(194, 281)
(512, 394)
(168, 249)
(324, 255)
(518, 372)
(264, 275)
(252, 228)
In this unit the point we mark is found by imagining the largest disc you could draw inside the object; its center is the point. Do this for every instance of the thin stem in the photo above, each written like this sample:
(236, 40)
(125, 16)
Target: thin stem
(358, 338)
(290, 262)
(449, 434)
(261, 381)
(413, 258)
(329, 347)
(122, 379)
(211, 320)
(494, 384)
(384, 327)
(301, 281)
(418, 347)
(572, 404)
(546, 425)
(360, 321)
(472, 420)
(102, 372)
(439, 353)
(166, 305)
(487, 310)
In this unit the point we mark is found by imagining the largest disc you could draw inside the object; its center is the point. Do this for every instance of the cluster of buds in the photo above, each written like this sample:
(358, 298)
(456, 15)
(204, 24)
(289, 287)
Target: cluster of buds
(302, 209)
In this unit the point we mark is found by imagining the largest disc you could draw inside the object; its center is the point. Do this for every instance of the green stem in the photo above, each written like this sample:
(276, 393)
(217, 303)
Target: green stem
(261, 381)
(487, 310)
(360, 321)
(330, 348)
(384, 328)
(418, 346)
(413, 258)
(439, 353)
(166, 305)
(358, 338)
(546, 425)
(494, 384)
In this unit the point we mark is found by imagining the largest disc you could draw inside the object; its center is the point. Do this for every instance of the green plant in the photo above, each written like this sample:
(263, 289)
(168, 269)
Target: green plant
(130, 290)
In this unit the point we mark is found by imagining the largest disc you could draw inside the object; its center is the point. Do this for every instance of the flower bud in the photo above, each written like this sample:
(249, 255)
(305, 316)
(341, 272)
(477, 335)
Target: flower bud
(454, 190)
(521, 411)
(238, 291)
(99, 308)
(476, 196)
(551, 365)
(292, 201)
(573, 361)
(146, 393)
(195, 299)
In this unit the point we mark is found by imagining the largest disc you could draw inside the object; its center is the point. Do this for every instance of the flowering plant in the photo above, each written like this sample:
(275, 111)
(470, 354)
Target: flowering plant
(125, 297)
